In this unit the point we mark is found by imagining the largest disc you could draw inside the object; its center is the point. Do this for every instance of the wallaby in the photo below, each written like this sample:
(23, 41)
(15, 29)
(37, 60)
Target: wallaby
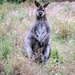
(39, 35)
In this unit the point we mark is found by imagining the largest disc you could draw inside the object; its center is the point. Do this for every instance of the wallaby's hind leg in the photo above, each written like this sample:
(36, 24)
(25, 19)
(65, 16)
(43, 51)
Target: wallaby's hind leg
(28, 50)
(46, 53)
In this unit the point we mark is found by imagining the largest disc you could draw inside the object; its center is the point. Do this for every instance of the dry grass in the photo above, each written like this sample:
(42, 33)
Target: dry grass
(15, 21)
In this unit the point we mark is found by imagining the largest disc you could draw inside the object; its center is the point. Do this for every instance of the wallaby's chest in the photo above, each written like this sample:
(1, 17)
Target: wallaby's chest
(41, 30)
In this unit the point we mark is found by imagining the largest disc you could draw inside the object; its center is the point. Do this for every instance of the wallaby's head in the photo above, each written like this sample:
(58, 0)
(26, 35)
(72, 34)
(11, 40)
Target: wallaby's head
(40, 9)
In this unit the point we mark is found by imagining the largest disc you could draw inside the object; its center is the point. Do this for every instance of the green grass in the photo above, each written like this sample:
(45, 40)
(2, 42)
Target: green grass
(6, 48)
(15, 21)
(8, 67)
(56, 57)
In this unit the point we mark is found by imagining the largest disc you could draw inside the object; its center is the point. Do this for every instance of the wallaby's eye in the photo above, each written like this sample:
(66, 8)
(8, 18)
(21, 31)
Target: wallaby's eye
(37, 9)
(42, 10)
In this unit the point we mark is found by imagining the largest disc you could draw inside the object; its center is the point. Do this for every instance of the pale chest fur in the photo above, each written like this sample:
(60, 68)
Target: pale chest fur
(41, 30)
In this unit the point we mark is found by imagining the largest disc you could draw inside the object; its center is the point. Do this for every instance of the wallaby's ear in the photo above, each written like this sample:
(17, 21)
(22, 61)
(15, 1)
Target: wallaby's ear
(37, 3)
(45, 5)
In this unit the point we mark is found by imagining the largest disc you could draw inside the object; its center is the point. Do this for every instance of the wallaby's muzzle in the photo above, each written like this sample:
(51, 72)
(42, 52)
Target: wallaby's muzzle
(40, 13)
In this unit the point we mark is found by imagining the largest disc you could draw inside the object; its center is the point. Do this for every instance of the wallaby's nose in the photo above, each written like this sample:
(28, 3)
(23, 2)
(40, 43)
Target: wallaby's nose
(40, 13)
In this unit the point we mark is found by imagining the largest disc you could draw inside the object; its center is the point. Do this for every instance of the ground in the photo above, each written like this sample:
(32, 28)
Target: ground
(15, 22)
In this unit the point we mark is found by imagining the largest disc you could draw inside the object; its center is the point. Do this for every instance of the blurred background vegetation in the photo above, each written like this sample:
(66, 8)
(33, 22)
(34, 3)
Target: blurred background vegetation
(31, 1)
(16, 17)
(19, 1)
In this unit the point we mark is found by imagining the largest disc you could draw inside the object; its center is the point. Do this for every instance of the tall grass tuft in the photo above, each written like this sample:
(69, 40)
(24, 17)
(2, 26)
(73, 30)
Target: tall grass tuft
(56, 57)
(5, 48)
(62, 30)
(8, 67)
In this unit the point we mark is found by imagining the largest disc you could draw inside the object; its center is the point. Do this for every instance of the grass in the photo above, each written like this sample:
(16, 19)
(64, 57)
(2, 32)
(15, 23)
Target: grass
(15, 22)
(8, 67)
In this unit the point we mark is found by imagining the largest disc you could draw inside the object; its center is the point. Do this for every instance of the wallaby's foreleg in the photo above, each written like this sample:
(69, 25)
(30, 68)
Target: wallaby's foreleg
(34, 36)
(46, 52)
(45, 39)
